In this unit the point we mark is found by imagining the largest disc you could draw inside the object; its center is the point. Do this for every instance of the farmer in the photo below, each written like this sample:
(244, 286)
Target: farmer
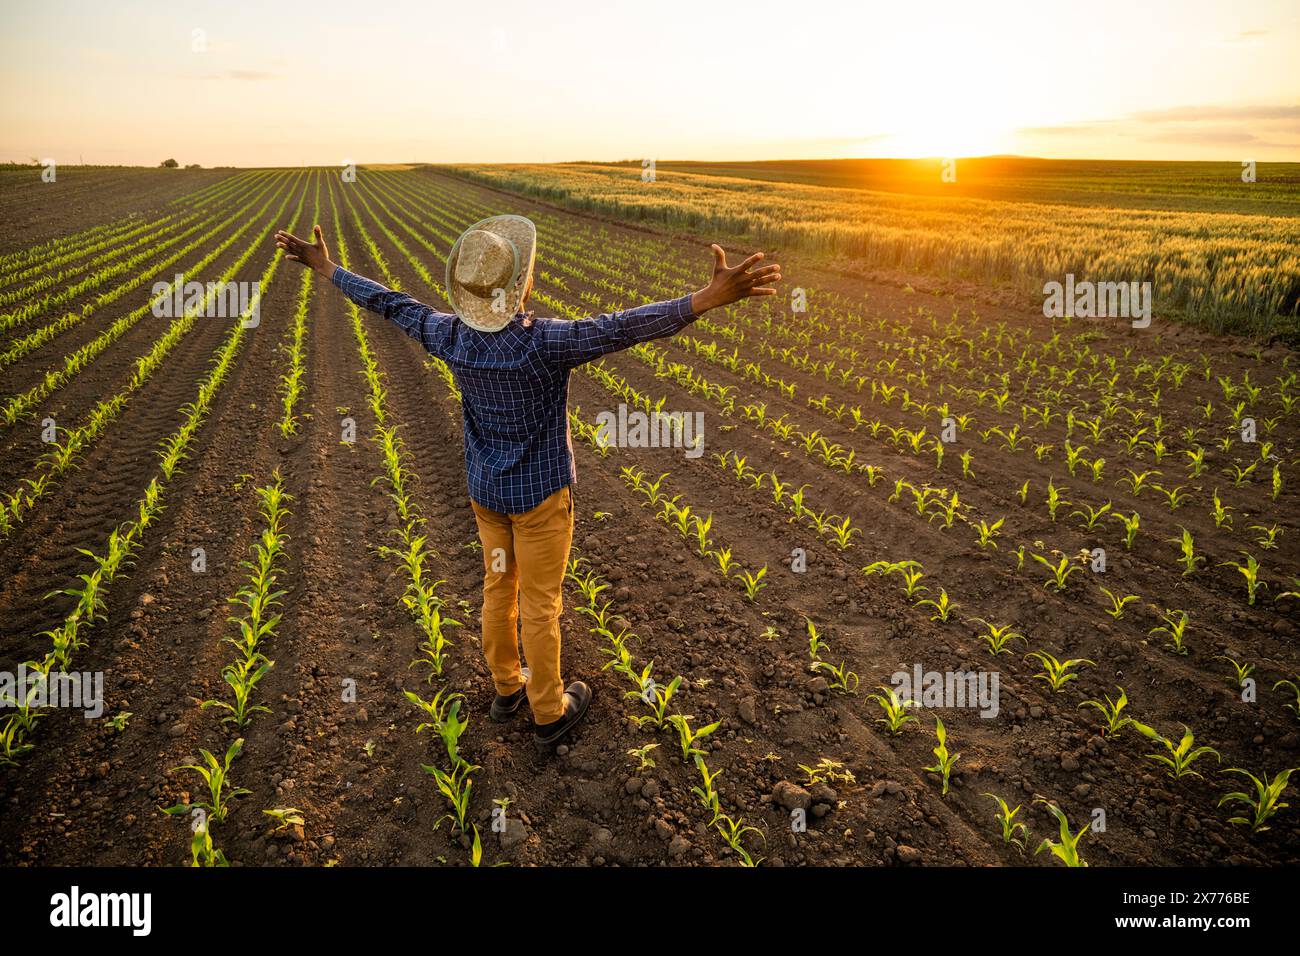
(513, 374)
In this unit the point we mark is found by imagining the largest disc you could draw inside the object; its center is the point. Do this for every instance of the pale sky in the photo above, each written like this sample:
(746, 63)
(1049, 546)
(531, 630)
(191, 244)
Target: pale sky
(289, 83)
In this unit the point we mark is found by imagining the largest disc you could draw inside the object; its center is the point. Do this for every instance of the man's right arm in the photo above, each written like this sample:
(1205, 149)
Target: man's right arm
(429, 327)
(426, 325)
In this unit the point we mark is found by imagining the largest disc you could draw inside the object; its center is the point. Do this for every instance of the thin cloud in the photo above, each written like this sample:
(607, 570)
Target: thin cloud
(1203, 114)
(246, 75)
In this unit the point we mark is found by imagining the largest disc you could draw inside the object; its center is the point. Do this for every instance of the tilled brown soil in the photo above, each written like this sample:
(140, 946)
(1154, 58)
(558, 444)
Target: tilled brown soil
(87, 794)
(33, 209)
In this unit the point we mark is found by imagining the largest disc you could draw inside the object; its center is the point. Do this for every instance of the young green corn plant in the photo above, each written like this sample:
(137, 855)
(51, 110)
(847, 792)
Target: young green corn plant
(966, 470)
(947, 511)
(815, 643)
(723, 559)
(1221, 514)
(1057, 673)
(642, 755)
(433, 647)
(1268, 536)
(733, 833)
(842, 533)
(1112, 712)
(1131, 525)
(687, 737)
(942, 607)
(841, 678)
(943, 759)
(1239, 671)
(706, 792)
(985, 533)
(752, 583)
(894, 708)
(242, 676)
(827, 770)
(912, 585)
(1294, 687)
(1066, 847)
(1249, 569)
(997, 636)
(1118, 602)
(286, 817)
(1060, 571)
(457, 787)
(702, 539)
(216, 777)
(1175, 498)
(1240, 475)
(1091, 516)
(1137, 481)
(1174, 627)
(441, 712)
(1055, 501)
(1188, 558)
(1014, 833)
(655, 696)
(1264, 803)
(1177, 757)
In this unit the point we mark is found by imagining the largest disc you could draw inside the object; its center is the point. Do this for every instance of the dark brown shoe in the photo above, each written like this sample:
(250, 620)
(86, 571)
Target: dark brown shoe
(576, 701)
(505, 706)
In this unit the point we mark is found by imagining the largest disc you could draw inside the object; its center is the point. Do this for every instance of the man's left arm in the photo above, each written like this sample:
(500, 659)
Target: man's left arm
(572, 343)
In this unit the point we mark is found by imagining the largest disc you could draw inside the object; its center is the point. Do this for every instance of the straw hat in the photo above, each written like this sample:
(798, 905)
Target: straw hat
(488, 270)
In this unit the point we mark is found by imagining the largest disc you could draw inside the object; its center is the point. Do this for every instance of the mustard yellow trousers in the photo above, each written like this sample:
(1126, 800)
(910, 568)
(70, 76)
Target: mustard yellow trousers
(524, 559)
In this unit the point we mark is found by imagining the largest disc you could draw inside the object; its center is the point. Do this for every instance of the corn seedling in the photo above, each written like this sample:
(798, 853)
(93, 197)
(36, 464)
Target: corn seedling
(1066, 847)
(643, 758)
(285, 817)
(1118, 602)
(1249, 569)
(1188, 557)
(1112, 712)
(1060, 571)
(655, 696)
(1177, 757)
(687, 737)
(1174, 627)
(1014, 833)
(943, 759)
(894, 708)
(1057, 673)
(1264, 803)
(942, 607)
(752, 583)
(1294, 687)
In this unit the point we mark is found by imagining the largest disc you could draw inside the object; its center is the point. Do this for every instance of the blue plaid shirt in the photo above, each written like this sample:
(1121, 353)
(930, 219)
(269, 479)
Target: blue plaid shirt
(515, 383)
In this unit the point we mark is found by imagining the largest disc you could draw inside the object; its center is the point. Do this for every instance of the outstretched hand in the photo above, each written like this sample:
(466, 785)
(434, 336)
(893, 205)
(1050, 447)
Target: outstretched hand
(314, 255)
(731, 284)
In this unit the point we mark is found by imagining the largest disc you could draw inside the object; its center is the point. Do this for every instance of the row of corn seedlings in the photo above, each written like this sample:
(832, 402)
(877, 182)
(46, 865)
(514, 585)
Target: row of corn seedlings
(442, 713)
(91, 594)
(56, 253)
(16, 504)
(21, 404)
(291, 382)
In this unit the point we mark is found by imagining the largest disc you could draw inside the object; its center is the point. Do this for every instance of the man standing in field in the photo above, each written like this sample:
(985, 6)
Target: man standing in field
(513, 374)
